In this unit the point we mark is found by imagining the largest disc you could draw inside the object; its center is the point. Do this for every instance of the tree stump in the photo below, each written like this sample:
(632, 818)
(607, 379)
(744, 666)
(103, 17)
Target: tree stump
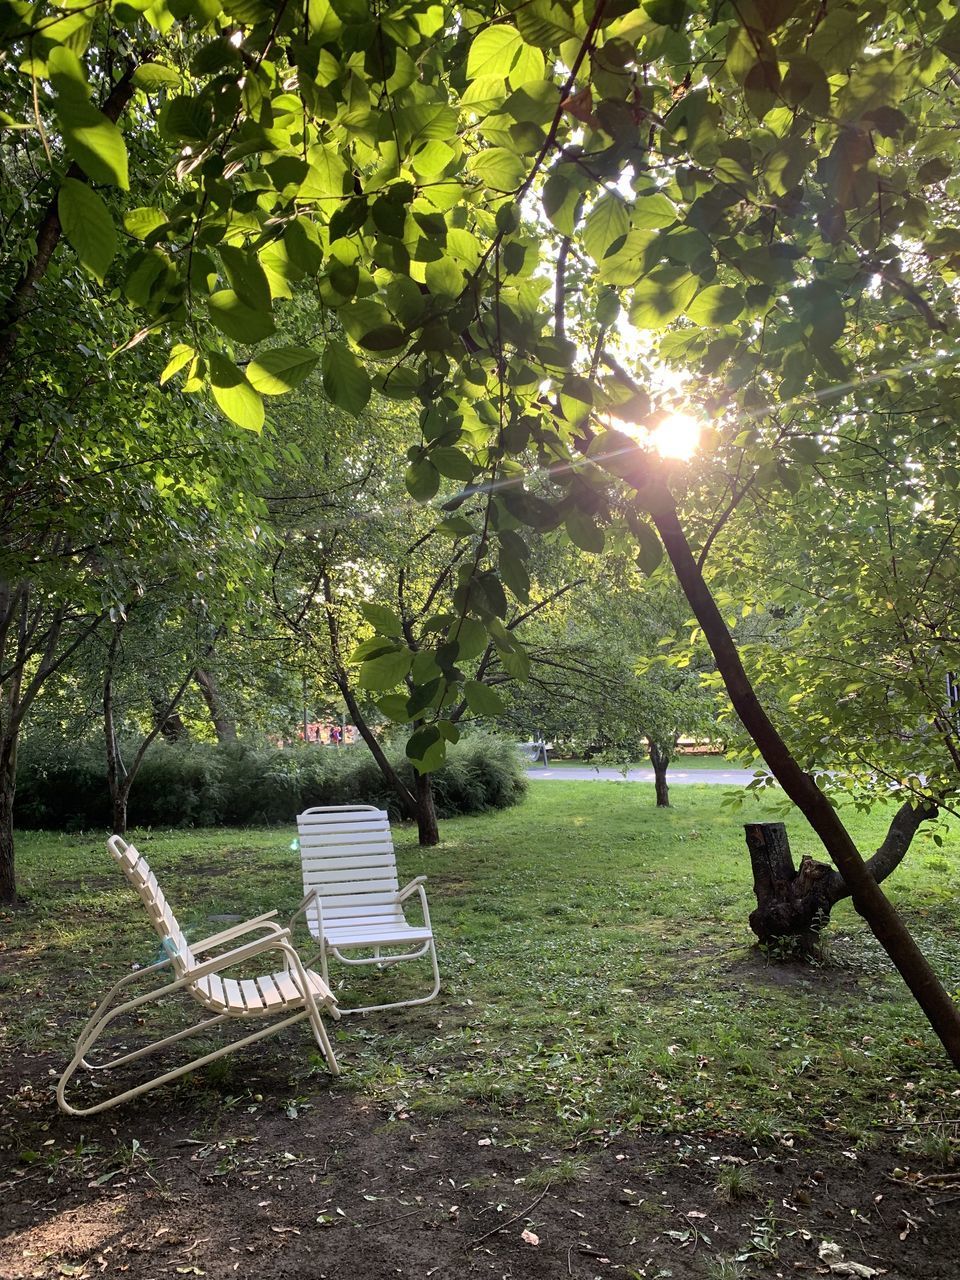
(792, 904)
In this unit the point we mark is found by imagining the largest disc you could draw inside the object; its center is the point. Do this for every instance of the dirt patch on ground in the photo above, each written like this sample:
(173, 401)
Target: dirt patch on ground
(829, 980)
(261, 1175)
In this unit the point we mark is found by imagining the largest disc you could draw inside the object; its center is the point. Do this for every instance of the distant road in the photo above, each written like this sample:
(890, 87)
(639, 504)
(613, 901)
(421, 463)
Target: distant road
(682, 777)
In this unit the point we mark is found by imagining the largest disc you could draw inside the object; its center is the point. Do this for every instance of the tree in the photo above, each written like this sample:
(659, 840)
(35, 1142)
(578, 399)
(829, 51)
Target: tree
(94, 518)
(150, 668)
(606, 685)
(741, 180)
(360, 579)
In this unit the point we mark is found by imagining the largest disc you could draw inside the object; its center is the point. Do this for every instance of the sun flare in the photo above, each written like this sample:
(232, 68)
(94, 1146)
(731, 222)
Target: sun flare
(677, 436)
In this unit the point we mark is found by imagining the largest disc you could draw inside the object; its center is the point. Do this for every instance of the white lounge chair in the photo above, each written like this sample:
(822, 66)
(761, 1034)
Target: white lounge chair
(292, 993)
(353, 897)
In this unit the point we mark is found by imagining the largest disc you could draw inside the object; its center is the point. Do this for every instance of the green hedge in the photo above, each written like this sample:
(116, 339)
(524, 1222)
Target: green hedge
(63, 787)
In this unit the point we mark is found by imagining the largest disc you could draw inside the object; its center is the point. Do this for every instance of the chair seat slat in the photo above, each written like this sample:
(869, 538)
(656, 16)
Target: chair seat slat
(348, 860)
(251, 996)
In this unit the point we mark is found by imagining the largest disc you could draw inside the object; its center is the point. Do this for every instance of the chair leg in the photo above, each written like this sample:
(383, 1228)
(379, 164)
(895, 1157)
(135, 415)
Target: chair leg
(322, 1037)
(404, 1004)
(154, 1048)
(167, 1076)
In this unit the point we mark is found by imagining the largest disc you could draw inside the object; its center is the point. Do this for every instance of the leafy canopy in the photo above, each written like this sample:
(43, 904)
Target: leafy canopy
(491, 202)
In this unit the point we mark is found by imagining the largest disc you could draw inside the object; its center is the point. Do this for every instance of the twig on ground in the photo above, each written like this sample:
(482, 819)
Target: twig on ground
(472, 1244)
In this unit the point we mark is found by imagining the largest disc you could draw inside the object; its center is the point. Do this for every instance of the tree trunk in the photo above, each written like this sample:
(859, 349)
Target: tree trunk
(868, 898)
(426, 811)
(119, 811)
(224, 724)
(170, 723)
(660, 759)
(796, 903)
(791, 904)
(115, 769)
(8, 788)
(408, 801)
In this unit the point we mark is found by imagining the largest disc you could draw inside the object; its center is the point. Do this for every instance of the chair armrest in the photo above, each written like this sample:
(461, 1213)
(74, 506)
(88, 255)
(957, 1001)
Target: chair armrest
(311, 897)
(227, 935)
(278, 941)
(407, 889)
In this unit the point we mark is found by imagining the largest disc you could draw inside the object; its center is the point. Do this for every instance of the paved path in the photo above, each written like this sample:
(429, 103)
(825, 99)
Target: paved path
(719, 777)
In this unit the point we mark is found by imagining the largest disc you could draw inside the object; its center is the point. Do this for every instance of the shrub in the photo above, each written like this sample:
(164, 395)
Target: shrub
(63, 786)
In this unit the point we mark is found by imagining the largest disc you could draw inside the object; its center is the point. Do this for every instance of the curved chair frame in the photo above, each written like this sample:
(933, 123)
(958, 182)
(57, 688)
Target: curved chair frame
(294, 994)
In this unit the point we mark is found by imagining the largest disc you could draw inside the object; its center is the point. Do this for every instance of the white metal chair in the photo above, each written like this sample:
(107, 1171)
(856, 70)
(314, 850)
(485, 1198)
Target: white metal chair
(293, 993)
(353, 897)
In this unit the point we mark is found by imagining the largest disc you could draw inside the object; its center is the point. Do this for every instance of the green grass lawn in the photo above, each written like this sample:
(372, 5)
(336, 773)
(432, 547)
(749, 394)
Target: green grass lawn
(598, 970)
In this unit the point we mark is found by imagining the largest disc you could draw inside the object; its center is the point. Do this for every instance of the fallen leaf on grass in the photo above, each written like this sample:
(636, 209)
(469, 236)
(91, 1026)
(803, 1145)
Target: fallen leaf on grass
(529, 1237)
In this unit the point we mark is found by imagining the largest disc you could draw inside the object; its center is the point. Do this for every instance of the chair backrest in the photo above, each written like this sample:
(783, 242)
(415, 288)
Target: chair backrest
(137, 871)
(346, 852)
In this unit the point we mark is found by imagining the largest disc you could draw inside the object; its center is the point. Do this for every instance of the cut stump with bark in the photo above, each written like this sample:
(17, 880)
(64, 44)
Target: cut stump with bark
(792, 903)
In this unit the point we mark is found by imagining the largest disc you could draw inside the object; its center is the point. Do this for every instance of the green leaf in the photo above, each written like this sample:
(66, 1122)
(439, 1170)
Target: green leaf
(516, 661)
(93, 141)
(394, 707)
(545, 23)
(247, 278)
(493, 51)
(345, 380)
(185, 119)
(668, 13)
(650, 551)
(87, 225)
(470, 637)
(805, 85)
(234, 394)
(561, 203)
(444, 278)
(457, 527)
(513, 572)
(427, 749)
(142, 221)
(275, 372)
(383, 619)
(449, 730)
(935, 170)
(151, 76)
(661, 296)
(717, 304)
(383, 337)
(499, 168)
(583, 532)
(180, 357)
(325, 177)
(386, 671)
(237, 320)
(453, 463)
(482, 700)
(652, 212)
(606, 223)
(837, 40)
(422, 480)
(373, 647)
